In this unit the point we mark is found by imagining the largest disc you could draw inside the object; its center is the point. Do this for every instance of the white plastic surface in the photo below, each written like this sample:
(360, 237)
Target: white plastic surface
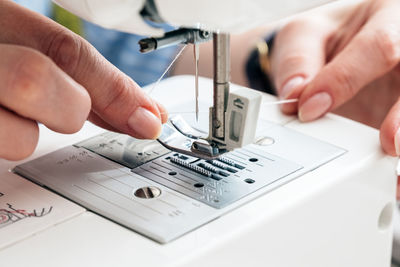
(241, 118)
(112, 14)
(329, 217)
(216, 15)
(231, 16)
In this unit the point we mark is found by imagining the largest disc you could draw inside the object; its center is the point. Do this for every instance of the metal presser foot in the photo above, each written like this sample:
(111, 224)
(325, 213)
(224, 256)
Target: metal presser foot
(177, 135)
(233, 116)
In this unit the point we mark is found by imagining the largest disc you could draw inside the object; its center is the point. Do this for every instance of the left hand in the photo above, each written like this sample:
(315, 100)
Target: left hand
(50, 75)
(344, 59)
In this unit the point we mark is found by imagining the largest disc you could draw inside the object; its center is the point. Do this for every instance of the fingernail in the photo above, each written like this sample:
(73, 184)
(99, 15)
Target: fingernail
(397, 142)
(290, 85)
(315, 106)
(145, 123)
(163, 112)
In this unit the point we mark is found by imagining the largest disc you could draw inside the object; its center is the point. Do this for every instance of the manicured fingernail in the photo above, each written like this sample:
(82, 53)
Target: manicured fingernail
(397, 142)
(145, 123)
(315, 107)
(163, 112)
(290, 85)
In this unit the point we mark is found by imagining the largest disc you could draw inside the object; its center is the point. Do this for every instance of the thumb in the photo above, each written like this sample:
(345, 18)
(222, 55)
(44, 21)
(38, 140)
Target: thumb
(373, 52)
(390, 132)
(298, 55)
(118, 103)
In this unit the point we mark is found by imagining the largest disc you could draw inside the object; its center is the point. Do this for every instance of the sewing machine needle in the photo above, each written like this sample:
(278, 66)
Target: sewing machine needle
(196, 50)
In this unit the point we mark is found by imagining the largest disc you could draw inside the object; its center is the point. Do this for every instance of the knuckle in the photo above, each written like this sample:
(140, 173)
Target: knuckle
(343, 79)
(302, 23)
(65, 49)
(72, 118)
(387, 46)
(296, 24)
(293, 61)
(288, 66)
(30, 72)
(119, 94)
(80, 116)
(288, 27)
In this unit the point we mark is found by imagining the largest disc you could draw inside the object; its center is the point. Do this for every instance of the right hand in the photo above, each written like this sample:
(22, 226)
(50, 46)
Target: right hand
(344, 59)
(52, 76)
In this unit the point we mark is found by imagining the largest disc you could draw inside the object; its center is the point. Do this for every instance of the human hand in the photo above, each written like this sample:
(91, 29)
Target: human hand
(55, 77)
(344, 59)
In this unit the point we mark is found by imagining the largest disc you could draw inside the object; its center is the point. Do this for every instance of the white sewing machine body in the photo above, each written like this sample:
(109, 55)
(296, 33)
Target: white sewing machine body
(335, 213)
(230, 16)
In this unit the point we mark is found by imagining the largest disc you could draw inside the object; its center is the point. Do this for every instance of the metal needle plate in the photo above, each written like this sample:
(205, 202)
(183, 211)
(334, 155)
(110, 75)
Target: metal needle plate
(162, 194)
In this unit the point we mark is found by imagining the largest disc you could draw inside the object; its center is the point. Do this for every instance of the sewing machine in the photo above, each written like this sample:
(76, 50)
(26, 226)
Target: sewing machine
(315, 194)
(233, 116)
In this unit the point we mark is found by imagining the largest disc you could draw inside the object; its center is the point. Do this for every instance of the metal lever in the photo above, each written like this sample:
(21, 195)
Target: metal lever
(180, 36)
(179, 136)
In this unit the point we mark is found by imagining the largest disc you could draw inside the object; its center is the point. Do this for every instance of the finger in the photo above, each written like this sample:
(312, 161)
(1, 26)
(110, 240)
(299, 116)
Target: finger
(374, 51)
(116, 98)
(163, 112)
(18, 136)
(398, 189)
(298, 55)
(389, 132)
(95, 119)
(35, 88)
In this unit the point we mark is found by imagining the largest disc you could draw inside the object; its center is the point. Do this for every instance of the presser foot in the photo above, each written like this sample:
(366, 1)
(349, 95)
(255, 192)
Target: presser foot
(177, 135)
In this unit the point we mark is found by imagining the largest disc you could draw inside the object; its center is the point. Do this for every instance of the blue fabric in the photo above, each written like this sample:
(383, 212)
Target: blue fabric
(121, 49)
(40, 6)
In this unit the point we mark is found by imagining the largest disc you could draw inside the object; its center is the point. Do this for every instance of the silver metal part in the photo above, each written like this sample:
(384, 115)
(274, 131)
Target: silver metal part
(180, 36)
(221, 42)
(184, 128)
(202, 149)
(124, 149)
(148, 192)
(174, 140)
(172, 194)
(216, 140)
(196, 51)
(222, 184)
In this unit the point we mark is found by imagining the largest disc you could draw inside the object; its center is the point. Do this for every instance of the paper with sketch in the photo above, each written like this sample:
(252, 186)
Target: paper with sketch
(26, 208)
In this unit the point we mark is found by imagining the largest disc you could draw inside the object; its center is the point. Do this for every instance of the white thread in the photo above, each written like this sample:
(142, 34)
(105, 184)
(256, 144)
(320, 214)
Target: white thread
(280, 102)
(166, 70)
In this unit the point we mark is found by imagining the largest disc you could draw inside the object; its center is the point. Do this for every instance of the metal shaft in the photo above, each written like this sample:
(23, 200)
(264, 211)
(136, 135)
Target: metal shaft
(180, 36)
(221, 42)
